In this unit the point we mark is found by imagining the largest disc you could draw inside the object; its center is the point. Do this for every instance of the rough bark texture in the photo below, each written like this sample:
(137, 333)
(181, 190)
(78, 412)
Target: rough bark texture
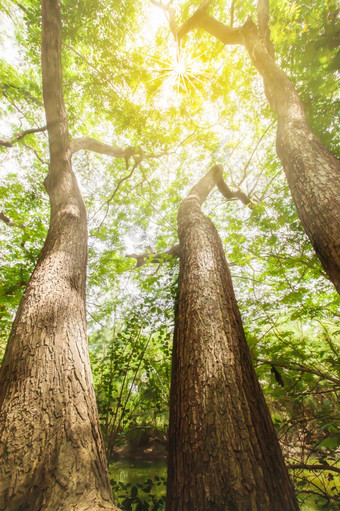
(50, 442)
(223, 452)
(312, 172)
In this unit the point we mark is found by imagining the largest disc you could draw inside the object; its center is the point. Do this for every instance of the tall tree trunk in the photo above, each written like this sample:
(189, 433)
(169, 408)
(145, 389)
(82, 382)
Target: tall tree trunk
(313, 173)
(51, 448)
(223, 451)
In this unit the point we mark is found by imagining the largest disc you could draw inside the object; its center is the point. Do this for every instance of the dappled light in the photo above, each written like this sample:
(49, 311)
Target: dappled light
(169, 255)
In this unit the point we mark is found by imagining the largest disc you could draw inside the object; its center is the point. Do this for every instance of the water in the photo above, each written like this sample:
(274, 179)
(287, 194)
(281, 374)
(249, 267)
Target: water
(139, 485)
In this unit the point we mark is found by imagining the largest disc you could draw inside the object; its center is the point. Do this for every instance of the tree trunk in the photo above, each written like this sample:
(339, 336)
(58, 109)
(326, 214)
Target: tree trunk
(51, 446)
(223, 450)
(313, 173)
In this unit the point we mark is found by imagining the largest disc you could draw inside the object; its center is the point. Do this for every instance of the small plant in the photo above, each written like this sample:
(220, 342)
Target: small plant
(149, 496)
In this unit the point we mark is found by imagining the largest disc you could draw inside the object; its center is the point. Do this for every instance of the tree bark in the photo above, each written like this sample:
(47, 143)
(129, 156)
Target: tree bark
(313, 173)
(223, 450)
(50, 441)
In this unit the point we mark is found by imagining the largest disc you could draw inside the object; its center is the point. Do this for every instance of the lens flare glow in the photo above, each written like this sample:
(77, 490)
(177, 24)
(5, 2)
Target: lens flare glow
(179, 72)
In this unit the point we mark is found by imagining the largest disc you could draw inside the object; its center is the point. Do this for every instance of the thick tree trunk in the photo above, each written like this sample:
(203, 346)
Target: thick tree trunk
(223, 452)
(312, 172)
(51, 448)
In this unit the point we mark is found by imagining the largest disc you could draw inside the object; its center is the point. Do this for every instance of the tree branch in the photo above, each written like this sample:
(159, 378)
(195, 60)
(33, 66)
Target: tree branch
(150, 257)
(315, 467)
(299, 367)
(18, 4)
(200, 192)
(90, 144)
(10, 222)
(164, 7)
(232, 10)
(200, 19)
(263, 24)
(214, 177)
(234, 194)
(10, 142)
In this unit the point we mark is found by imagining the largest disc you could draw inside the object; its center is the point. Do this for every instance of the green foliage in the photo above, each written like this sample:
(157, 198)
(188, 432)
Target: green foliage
(149, 496)
(306, 36)
(121, 87)
(24, 204)
(131, 370)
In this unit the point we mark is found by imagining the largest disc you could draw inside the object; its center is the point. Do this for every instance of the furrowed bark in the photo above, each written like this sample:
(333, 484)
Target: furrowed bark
(223, 450)
(51, 446)
(313, 173)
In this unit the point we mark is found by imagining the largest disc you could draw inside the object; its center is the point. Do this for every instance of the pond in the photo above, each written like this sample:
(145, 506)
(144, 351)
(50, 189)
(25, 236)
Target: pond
(139, 484)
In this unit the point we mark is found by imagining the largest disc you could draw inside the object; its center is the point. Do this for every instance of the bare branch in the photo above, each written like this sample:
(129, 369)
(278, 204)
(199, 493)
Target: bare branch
(299, 367)
(254, 151)
(10, 222)
(18, 4)
(112, 196)
(171, 15)
(10, 142)
(89, 144)
(214, 177)
(199, 192)
(164, 7)
(234, 194)
(315, 467)
(200, 19)
(44, 162)
(150, 257)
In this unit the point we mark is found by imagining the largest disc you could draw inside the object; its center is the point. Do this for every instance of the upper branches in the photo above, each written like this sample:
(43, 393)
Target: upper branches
(215, 178)
(200, 192)
(200, 19)
(90, 144)
(9, 142)
(225, 34)
(155, 258)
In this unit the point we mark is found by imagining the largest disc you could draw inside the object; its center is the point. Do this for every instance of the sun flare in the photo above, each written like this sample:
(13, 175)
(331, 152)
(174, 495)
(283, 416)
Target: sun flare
(179, 72)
